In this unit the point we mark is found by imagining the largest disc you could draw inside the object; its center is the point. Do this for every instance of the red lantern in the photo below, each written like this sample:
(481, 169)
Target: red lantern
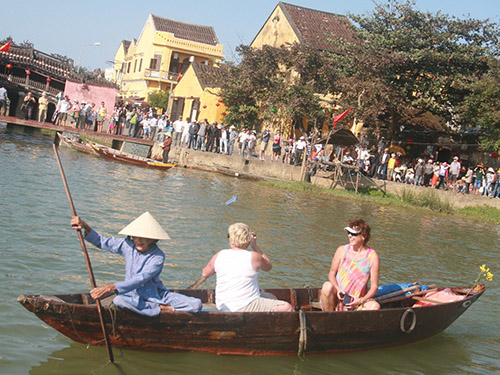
(409, 140)
(221, 100)
(28, 72)
(217, 104)
(224, 113)
(48, 79)
(204, 106)
(494, 155)
(8, 66)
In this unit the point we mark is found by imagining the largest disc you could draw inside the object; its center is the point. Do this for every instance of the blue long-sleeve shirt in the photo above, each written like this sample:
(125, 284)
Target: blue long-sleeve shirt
(142, 277)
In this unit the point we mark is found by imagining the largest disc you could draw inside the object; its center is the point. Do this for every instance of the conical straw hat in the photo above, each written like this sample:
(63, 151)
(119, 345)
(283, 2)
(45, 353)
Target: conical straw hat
(147, 227)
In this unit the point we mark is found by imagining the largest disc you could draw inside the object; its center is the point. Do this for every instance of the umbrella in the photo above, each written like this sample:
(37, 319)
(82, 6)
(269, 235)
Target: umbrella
(394, 148)
(343, 137)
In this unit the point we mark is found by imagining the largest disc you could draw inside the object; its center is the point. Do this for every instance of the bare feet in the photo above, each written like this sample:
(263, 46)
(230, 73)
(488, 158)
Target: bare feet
(166, 308)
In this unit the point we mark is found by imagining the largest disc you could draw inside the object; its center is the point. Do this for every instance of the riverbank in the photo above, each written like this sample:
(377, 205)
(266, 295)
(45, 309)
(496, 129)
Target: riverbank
(285, 176)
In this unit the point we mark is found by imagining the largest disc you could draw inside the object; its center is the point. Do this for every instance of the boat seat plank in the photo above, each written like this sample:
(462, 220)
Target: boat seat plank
(209, 307)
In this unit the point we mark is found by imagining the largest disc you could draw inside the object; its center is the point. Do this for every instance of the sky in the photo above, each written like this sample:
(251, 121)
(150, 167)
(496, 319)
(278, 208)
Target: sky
(67, 28)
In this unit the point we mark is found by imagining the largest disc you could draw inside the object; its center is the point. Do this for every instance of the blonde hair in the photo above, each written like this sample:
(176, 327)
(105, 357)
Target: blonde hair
(240, 235)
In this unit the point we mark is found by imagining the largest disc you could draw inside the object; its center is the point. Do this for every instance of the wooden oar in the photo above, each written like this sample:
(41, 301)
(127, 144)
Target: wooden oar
(406, 296)
(197, 283)
(87, 259)
(397, 293)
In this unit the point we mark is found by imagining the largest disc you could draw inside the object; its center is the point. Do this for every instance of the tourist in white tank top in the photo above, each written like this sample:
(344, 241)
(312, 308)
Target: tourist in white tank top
(237, 287)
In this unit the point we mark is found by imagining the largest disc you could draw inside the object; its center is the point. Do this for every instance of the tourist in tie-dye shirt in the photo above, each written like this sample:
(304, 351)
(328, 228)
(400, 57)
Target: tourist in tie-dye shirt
(353, 277)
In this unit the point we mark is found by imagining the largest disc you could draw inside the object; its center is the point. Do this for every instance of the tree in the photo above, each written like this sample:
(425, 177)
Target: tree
(260, 88)
(407, 64)
(482, 107)
(159, 99)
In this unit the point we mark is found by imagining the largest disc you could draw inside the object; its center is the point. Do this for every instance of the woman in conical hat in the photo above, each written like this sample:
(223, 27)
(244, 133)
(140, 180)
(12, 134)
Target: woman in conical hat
(142, 291)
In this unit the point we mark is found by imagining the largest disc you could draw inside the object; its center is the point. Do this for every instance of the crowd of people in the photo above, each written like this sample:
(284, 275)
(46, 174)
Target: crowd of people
(453, 174)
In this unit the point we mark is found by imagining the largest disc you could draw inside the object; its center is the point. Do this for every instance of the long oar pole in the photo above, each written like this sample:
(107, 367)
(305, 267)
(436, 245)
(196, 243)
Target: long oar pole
(197, 283)
(86, 254)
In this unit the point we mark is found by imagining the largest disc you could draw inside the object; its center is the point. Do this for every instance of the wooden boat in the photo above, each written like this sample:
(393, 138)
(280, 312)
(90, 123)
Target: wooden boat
(263, 333)
(240, 173)
(124, 157)
(76, 143)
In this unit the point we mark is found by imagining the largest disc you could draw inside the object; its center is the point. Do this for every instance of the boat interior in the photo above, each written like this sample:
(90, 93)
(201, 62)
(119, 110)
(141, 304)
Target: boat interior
(306, 299)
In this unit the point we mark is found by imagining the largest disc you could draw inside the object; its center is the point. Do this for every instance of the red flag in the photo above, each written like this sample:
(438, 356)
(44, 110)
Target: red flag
(340, 117)
(6, 47)
(179, 77)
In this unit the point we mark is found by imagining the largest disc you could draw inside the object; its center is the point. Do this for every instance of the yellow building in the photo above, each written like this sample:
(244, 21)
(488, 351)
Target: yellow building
(289, 24)
(119, 65)
(196, 95)
(161, 55)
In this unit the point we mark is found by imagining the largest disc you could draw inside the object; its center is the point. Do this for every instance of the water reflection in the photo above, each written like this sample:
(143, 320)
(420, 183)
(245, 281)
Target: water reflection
(419, 358)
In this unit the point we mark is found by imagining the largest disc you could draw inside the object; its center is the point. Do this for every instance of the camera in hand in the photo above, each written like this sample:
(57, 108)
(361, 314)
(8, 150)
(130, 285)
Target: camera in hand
(346, 298)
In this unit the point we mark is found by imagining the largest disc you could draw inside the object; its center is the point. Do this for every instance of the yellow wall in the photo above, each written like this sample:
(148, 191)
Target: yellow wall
(275, 32)
(118, 63)
(190, 89)
(140, 81)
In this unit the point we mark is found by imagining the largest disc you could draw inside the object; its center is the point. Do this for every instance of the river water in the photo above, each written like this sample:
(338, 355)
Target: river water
(41, 254)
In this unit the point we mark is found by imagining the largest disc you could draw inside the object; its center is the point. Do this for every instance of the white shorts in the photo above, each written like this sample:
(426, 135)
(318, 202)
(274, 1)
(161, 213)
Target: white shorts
(261, 304)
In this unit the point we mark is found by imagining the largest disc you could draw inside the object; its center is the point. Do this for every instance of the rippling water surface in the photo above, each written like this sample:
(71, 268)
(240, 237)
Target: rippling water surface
(41, 254)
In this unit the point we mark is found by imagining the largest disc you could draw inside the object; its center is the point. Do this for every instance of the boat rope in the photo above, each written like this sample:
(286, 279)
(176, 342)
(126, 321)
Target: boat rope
(413, 323)
(112, 313)
(309, 293)
(74, 328)
(303, 334)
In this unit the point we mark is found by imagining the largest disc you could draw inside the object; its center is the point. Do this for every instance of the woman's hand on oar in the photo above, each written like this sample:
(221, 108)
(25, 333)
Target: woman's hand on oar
(79, 224)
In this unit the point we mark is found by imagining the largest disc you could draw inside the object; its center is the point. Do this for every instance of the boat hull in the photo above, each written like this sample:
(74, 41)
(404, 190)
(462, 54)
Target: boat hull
(126, 158)
(247, 333)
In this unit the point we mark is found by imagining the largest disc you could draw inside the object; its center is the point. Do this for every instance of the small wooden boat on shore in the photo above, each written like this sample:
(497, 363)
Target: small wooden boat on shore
(76, 143)
(124, 157)
(240, 173)
(263, 333)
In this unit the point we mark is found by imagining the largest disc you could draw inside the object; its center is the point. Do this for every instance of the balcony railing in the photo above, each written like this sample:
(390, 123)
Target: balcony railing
(161, 75)
(30, 84)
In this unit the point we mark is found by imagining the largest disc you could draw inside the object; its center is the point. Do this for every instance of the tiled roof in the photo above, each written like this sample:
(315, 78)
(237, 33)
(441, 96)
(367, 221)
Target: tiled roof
(187, 31)
(205, 74)
(315, 28)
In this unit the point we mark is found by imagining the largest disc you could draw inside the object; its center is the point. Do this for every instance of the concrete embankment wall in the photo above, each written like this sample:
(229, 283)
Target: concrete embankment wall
(215, 162)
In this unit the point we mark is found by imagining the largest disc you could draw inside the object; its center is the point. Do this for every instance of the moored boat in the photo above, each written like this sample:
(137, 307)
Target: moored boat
(124, 157)
(264, 333)
(76, 143)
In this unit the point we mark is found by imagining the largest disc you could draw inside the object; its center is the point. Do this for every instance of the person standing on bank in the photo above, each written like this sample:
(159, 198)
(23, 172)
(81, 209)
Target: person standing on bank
(142, 291)
(237, 287)
(167, 144)
(101, 116)
(266, 134)
(29, 104)
(43, 105)
(3, 100)
(353, 266)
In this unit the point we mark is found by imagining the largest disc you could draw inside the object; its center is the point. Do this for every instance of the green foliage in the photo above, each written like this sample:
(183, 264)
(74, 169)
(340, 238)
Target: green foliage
(482, 107)
(408, 64)
(481, 213)
(261, 87)
(159, 99)
(424, 200)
